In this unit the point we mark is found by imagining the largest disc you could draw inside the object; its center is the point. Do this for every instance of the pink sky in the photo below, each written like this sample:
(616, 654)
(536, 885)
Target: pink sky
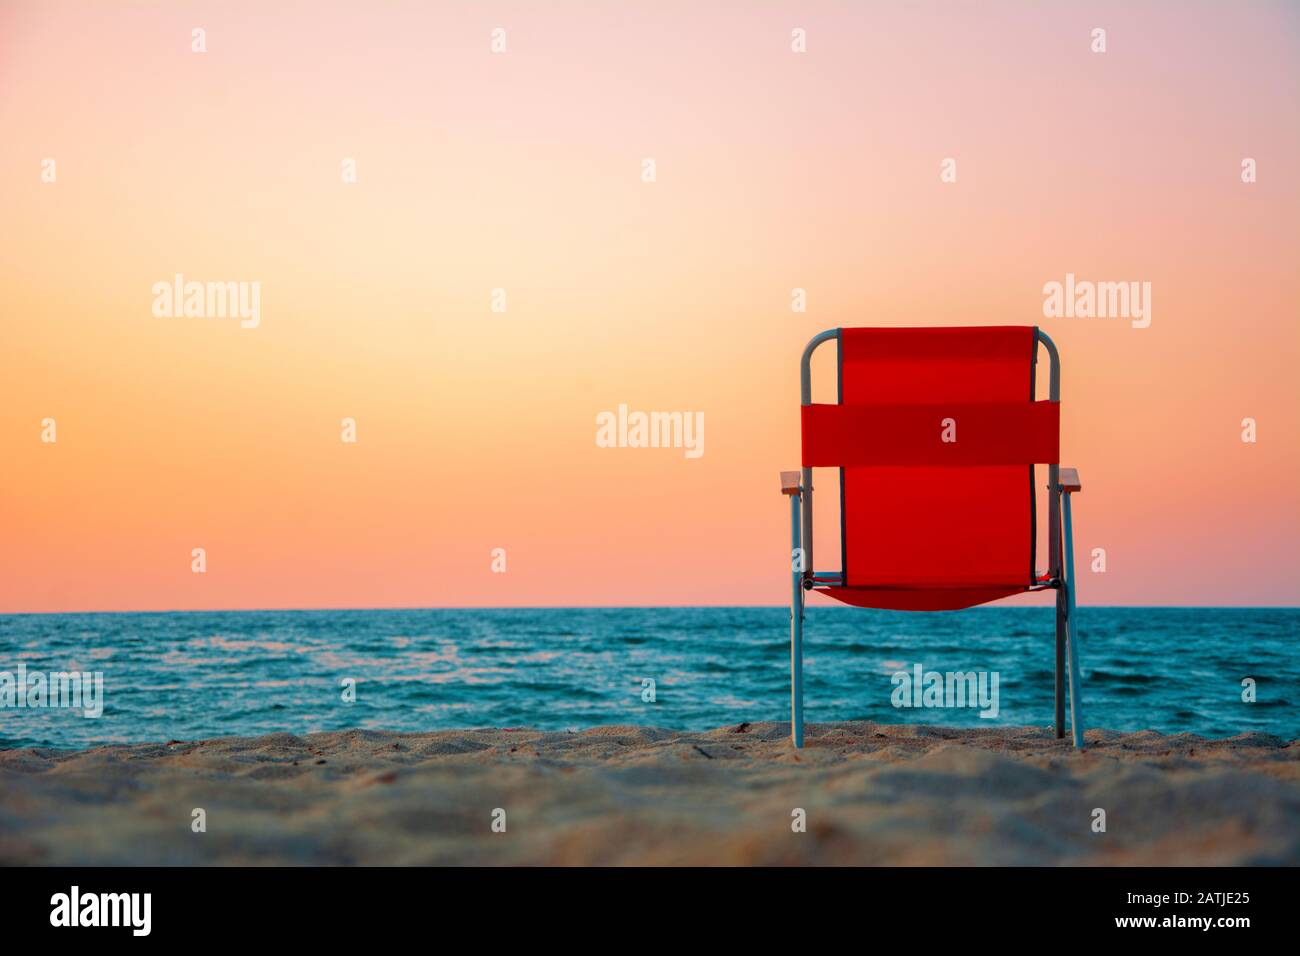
(522, 171)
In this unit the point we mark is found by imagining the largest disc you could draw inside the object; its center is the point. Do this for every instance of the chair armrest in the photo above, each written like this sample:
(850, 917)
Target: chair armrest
(1069, 480)
(790, 482)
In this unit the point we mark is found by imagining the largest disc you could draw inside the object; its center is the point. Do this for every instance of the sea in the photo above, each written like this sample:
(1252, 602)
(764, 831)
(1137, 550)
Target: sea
(1216, 672)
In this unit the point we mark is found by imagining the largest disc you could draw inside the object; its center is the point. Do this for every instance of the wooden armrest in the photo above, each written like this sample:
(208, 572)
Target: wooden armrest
(1069, 480)
(790, 482)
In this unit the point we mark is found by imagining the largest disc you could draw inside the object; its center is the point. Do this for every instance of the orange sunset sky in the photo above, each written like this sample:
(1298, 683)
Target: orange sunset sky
(522, 170)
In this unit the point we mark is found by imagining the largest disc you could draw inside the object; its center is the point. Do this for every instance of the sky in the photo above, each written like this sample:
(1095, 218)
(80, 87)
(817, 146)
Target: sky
(916, 164)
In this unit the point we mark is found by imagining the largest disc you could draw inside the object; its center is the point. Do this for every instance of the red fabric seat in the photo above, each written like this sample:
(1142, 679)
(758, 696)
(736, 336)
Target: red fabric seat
(936, 435)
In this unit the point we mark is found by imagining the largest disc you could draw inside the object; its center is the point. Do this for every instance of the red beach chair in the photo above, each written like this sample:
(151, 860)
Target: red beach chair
(935, 435)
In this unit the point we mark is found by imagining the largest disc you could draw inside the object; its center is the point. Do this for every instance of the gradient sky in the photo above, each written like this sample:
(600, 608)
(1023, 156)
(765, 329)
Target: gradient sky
(522, 171)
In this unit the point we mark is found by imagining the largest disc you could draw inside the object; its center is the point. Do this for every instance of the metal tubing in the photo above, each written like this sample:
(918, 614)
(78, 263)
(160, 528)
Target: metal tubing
(805, 398)
(1054, 379)
(796, 628)
(805, 363)
(1059, 719)
(1076, 680)
(1054, 538)
(1053, 469)
(801, 535)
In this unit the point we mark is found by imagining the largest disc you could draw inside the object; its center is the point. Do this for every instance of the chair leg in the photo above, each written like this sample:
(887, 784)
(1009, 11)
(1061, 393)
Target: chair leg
(1072, 631)
(796, 629)
(796, 672)
(1076, 680)
(1060, 662)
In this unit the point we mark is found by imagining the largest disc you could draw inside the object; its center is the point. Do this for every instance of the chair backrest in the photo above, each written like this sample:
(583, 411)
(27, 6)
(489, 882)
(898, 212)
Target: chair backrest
(936, 435)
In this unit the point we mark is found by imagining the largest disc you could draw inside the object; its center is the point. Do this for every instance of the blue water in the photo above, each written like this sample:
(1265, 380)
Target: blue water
(191, 675)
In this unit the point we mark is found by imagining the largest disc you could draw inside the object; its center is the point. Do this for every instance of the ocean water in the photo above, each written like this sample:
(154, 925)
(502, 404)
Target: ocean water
(189, 675)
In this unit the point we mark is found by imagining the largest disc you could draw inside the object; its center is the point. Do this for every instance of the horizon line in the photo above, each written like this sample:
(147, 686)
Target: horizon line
(628, 607)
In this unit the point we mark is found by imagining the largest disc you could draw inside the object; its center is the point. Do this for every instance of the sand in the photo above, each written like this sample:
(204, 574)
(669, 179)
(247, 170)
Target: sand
(872, 794)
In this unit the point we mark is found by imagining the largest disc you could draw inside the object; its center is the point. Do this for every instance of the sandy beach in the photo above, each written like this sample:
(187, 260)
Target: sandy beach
(872, 794)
